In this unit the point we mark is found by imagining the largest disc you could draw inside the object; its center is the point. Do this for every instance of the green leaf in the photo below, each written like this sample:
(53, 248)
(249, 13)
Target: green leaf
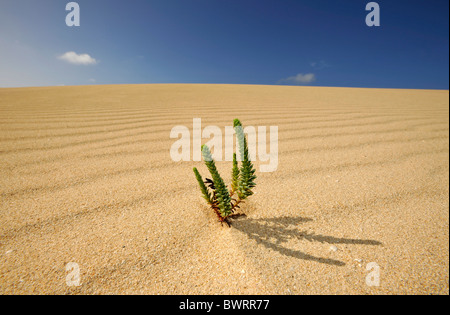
(205, 192)
(235, 174)
(247, 172)
(222, 193)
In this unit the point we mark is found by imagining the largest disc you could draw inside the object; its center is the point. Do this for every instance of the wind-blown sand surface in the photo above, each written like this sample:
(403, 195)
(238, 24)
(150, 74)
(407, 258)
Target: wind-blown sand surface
(86, 177)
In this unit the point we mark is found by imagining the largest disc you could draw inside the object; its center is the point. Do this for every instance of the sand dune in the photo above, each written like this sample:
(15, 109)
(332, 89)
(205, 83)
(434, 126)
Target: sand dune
(86, 177)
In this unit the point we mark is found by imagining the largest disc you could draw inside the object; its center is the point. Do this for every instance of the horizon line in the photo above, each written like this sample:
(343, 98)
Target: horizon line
(234, 84)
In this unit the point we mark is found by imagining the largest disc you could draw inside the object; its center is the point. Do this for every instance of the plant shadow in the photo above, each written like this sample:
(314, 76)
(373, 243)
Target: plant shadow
(273, 232)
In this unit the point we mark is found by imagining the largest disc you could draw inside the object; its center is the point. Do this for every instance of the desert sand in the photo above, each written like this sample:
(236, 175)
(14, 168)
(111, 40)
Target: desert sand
(86, 177)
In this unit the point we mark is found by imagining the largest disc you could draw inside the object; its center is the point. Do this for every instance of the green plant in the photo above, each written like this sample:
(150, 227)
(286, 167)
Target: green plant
(214, 190)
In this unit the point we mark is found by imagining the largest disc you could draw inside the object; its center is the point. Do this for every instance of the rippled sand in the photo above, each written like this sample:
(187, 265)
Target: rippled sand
(86, 177)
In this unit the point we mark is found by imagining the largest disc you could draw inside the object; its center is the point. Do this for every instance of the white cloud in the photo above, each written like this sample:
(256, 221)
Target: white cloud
(299, 79)
(76, 59)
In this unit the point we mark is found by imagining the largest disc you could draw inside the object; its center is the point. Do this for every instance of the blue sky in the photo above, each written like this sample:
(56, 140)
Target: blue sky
(295, 42)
